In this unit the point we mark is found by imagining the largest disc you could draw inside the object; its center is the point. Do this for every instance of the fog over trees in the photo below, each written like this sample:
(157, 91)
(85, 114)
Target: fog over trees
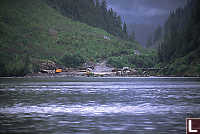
(144, 16)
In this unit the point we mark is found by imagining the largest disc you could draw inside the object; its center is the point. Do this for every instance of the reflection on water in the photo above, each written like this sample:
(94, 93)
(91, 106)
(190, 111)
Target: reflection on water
(135, 106)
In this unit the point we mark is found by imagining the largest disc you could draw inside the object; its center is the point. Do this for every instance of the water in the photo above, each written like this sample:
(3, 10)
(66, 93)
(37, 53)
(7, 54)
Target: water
(98, 105)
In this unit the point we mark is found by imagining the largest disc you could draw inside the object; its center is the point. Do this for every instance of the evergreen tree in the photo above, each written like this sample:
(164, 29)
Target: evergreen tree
(157, 34)
(76, 10)
(104, 7)
(97, 4)
(125, 34)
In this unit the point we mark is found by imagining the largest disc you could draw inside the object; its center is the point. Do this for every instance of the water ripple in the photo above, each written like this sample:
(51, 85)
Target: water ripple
(100, 110)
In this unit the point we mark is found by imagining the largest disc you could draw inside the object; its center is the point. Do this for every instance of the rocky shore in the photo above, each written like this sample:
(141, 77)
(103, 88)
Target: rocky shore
(49, 68)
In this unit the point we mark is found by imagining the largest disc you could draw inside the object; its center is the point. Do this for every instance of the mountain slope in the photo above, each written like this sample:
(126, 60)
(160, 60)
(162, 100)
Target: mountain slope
(31, 30)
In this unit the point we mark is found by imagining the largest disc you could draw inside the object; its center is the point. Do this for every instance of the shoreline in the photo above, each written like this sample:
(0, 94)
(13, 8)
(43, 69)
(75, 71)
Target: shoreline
(105, 77)
(82, 75)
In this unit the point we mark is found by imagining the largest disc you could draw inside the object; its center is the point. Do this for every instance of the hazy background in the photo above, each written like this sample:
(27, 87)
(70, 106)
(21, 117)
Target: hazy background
(143, 16)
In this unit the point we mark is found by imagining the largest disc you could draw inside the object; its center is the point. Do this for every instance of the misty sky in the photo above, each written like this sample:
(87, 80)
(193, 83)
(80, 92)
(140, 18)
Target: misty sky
(144, 15)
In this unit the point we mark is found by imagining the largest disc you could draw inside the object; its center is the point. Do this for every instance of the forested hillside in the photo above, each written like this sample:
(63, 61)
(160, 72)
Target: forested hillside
(93, 13)
(31, 31)
(178, 42)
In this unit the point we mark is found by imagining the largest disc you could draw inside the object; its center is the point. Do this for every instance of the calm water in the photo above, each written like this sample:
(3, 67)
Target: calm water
(98, 105)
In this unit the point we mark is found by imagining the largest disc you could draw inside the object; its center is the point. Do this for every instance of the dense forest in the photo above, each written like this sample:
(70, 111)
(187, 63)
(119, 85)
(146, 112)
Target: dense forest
(178, 41)
(93, 13)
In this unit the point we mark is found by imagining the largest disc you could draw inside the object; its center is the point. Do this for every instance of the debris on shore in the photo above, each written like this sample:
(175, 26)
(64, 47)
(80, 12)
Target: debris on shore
(50, 68)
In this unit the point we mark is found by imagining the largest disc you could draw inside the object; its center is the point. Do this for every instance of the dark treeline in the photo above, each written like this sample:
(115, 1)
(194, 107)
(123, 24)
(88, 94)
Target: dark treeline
(181, 33)
(155, 38)
(94, 13)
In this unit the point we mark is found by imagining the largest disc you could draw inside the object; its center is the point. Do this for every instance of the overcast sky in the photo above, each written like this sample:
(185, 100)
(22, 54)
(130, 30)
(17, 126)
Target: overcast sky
(144, 13)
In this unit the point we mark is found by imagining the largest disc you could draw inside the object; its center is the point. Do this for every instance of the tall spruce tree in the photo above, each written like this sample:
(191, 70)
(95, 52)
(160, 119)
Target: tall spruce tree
(125, 33)
(157, 34)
